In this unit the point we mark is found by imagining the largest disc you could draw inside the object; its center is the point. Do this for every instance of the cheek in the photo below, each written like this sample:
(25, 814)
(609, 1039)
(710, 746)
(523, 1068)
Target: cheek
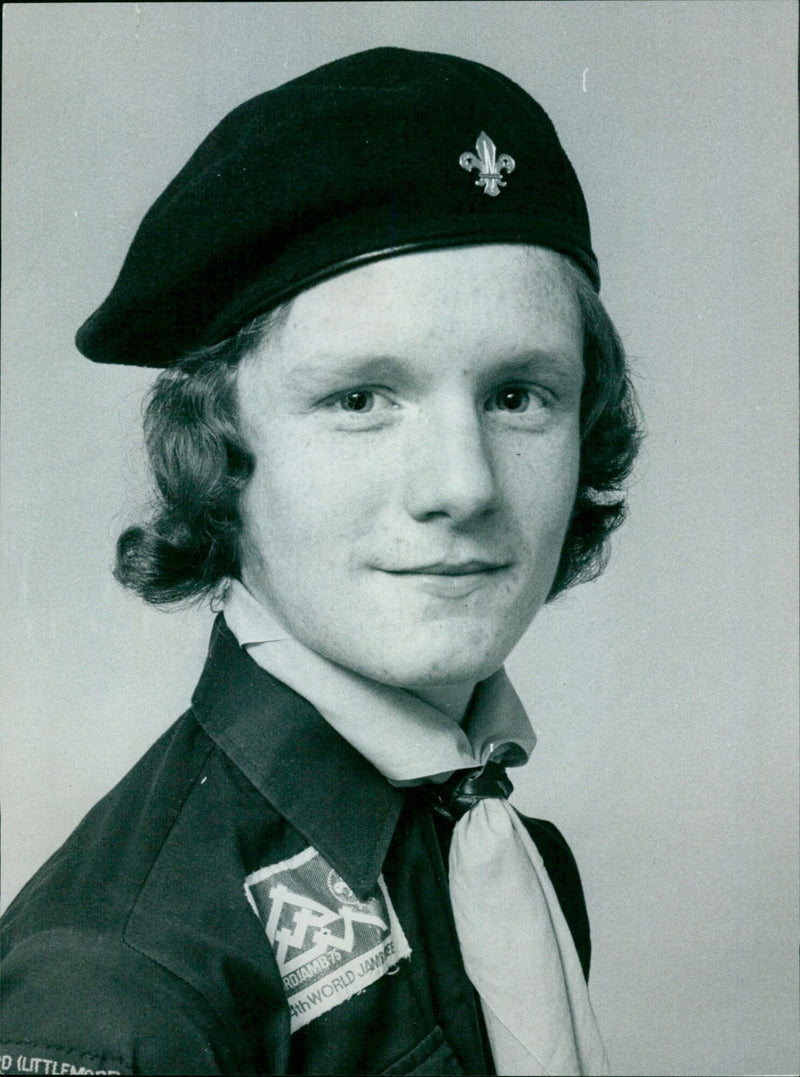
(308, 500)
(540, 485)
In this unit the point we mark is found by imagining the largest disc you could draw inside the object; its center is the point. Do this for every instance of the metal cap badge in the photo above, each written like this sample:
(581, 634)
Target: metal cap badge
(488, 164)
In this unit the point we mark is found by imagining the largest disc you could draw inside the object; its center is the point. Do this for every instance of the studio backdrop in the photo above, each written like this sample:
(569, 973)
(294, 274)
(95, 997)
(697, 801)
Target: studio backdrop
(664, 694)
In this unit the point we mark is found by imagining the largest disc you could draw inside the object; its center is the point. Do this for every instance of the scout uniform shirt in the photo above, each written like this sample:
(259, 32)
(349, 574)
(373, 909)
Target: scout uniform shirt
(253, 897)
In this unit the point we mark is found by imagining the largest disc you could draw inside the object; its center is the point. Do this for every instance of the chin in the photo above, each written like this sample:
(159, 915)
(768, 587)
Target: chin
(431, 666)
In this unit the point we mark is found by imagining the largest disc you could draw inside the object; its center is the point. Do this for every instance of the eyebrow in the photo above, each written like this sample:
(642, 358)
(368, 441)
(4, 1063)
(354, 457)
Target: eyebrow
(558, 364)
(324, 370)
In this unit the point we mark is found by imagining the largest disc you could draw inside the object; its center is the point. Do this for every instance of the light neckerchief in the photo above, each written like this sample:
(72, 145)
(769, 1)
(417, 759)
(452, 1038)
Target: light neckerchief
(517, 948)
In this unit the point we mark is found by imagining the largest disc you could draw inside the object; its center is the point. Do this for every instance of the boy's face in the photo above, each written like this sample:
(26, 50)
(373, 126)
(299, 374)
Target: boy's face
(415, 424)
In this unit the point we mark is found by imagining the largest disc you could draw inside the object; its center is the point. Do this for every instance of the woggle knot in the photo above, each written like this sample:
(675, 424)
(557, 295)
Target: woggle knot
(466, 788)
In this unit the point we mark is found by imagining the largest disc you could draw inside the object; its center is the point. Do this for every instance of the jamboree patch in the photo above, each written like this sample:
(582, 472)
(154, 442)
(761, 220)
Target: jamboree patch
(329, 945)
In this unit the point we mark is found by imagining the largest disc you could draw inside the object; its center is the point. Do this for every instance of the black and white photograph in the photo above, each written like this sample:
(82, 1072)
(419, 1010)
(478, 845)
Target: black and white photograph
(398, 531)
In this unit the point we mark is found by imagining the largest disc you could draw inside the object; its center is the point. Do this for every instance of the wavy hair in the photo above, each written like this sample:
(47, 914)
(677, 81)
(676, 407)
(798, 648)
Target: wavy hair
(611, 433)
(192, 542)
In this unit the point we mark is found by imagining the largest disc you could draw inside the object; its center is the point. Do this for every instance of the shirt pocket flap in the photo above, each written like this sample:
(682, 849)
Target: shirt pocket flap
(432, 1056)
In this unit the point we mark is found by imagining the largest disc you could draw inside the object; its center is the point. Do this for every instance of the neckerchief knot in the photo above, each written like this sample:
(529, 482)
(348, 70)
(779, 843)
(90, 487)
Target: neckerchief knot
(464, 789)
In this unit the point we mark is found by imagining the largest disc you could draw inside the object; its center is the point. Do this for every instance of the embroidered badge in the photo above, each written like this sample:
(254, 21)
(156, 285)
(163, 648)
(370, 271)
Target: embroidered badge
(328, 944)
(488, 164)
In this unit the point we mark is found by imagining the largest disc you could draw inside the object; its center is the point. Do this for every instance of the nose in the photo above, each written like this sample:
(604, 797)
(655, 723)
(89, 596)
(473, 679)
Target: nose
(449, 469)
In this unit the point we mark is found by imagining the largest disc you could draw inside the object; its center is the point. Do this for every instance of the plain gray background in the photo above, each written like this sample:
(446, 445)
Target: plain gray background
(664, 694)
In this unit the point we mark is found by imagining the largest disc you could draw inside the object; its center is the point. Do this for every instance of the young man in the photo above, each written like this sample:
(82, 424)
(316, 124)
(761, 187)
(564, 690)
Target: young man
(393, 422)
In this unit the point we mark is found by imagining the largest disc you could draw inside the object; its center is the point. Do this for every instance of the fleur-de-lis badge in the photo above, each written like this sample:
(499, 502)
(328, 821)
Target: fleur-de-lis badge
(488, 164)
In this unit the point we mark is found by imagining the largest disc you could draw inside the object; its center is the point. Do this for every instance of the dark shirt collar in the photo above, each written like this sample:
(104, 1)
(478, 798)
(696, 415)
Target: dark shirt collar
(326, 790)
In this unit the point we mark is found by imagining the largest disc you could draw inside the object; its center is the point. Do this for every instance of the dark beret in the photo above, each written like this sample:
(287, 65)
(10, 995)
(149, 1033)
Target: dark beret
(370, 156)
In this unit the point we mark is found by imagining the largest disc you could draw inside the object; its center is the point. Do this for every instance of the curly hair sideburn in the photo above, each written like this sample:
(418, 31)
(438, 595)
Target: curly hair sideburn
(611, 434)
(201, 465)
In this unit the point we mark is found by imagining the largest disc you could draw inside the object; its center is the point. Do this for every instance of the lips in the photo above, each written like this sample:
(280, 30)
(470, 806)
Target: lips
(449, 580)
(449, 568)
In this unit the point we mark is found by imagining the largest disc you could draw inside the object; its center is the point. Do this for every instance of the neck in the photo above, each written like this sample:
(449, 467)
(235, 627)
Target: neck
(450, 699)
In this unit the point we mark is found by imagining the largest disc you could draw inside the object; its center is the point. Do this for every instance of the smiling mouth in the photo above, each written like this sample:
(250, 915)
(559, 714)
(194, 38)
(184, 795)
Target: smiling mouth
(446, 568)
(449, 581)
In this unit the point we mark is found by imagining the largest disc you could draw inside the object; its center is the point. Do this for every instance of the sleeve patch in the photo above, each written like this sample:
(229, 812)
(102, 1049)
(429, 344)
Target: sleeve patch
(18, 1058)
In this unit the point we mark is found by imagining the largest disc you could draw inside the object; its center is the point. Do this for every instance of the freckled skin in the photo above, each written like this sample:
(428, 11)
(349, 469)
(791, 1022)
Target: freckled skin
(421, 412)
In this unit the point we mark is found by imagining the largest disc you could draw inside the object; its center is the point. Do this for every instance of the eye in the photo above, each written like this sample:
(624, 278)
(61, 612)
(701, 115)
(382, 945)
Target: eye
(511, 398)
(373, 405)
(357, 400)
